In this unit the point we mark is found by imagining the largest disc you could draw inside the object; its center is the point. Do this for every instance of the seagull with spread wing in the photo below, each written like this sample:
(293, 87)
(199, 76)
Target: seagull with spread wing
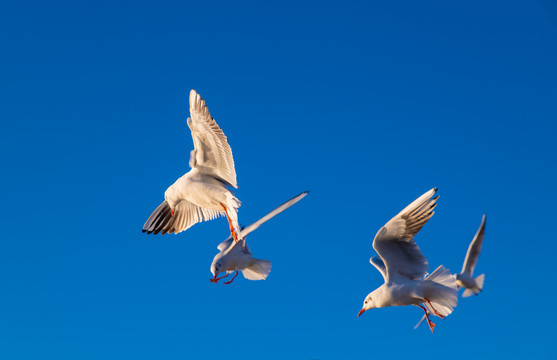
(404, 267)
(465, 279)
(202, 193)
(236, 256)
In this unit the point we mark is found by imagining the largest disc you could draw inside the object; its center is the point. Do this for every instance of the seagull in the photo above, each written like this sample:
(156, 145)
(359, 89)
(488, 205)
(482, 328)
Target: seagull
(236, 256)
(202, 193)
(465, 279)
(404, 267)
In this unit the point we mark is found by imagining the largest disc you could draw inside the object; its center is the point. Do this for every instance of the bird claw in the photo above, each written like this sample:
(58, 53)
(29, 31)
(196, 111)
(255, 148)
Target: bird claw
(233, 277)
(431, 325)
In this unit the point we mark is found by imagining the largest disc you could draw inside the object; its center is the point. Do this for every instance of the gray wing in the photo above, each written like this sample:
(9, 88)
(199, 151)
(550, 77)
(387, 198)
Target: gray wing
(474, 250)
(185, 215)
(278, 210)
(212, 154)
(395, 243)
(231, 247)
(379, 265)
(225, 244)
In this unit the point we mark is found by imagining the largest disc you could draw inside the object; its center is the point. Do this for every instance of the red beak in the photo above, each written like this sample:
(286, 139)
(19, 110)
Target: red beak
(361, 312)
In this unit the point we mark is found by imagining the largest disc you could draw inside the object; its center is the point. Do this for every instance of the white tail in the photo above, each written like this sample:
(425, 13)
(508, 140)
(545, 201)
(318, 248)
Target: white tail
(443, 298)
(479, 286)
(259, 270)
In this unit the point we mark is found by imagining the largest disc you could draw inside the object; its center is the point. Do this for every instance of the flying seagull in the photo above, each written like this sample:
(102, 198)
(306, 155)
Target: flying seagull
(465, 279)
(202, 193)
(236, 256)
(404, 267)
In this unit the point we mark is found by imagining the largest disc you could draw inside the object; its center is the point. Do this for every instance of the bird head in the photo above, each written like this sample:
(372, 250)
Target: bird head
(368, 304)
(216, 267)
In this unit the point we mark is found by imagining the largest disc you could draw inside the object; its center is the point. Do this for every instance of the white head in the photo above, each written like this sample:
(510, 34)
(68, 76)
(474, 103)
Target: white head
(369, 302)
(217, 265)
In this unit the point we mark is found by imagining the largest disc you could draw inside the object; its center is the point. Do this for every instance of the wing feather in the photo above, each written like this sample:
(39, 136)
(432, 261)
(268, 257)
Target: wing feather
(474, 250)
(395, 243)
(272, 214)
(212, 154)
(379, 265)
(185, 215)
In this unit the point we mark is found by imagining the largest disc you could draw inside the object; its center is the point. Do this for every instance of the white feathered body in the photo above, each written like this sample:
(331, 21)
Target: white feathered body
(413, 292)
(472, 285)
(238, 257)
(203, 190)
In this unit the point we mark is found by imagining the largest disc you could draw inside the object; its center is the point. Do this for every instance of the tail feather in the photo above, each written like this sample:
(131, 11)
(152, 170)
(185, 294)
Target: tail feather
(259, 270)
(476, 290)
(443, 296)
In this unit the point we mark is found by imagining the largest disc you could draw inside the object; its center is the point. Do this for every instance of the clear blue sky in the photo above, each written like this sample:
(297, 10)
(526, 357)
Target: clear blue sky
(365, 104)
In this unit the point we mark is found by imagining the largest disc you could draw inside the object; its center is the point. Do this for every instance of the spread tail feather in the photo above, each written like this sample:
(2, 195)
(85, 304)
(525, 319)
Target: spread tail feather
(259, 270)
(479, 286)
(444, 295)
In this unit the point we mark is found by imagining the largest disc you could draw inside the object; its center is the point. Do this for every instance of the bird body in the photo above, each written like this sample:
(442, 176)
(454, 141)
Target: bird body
(404, 267)
(465, 279)
(236, 256)
(471, 285)
(413, 292)
(202, 193)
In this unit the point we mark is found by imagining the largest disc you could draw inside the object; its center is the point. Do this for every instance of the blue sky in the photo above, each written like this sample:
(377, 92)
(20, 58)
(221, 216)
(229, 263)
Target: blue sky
(365, 104)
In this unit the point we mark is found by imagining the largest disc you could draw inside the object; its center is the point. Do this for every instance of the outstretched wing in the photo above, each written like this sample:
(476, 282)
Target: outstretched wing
(379, 265)
(395, 243)
(474, 250)
(225, 244)
(212, 154)
(272, 214)
(185, 215)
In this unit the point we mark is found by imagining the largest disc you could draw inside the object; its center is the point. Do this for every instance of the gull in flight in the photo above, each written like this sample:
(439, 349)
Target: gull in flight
(236, 256)
(202, 193)
(465, 279)
(404, 267)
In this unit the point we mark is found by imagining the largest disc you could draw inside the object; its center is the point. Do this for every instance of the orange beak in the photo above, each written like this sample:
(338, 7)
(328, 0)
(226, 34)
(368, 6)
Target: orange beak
(361, 312)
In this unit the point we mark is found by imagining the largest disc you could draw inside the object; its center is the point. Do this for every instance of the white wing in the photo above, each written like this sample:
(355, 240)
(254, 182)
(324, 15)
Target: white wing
(286, 205)
(186, 214)
(230, 246)
(225, 244)
(212, 154)
(395, 243)
(474, 250)
(379, 265)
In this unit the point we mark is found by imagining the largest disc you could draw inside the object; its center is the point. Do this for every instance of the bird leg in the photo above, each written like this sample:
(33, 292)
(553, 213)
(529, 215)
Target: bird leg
(437, 313)
(230, 282)
(234, 235)
(216, 279)
(429, 322)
